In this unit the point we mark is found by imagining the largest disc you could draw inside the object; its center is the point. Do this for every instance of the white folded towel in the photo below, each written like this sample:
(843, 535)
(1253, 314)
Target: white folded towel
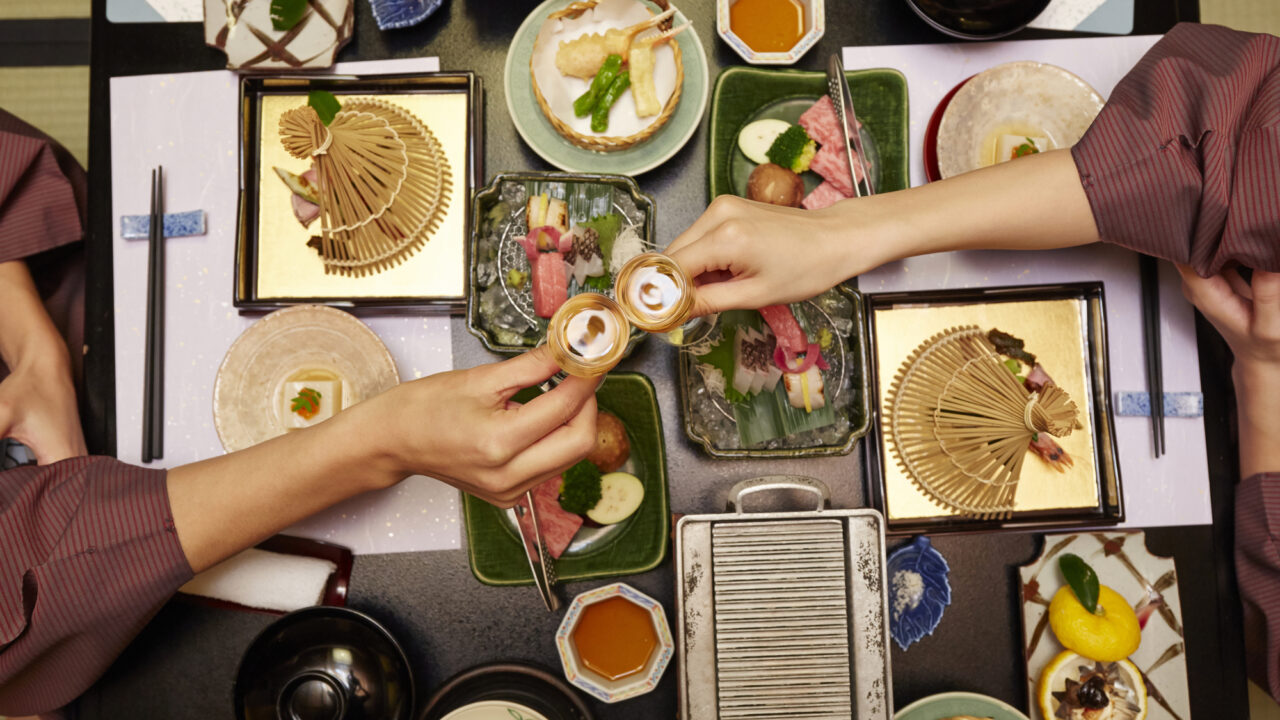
(266, 580)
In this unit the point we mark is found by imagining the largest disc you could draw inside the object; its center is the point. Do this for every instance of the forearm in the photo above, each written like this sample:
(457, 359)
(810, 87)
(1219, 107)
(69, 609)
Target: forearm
(226, 504)
(1035, 202)
(1257, 390)
(27, 335)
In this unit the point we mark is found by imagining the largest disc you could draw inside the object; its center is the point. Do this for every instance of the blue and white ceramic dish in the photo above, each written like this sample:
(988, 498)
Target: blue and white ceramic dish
(392, 14)
(919, 591)
(603, 689)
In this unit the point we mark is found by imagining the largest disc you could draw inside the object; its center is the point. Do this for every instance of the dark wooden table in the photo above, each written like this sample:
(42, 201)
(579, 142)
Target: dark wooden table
(184, 662)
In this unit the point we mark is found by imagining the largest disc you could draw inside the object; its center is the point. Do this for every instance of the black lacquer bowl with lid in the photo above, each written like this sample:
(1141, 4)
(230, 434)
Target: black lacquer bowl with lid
(324, 663)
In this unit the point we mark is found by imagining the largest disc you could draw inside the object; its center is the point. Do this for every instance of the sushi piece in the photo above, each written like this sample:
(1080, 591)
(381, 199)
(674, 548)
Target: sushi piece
(784, 325)
(833, 165)
(825, 195)
(804, 390)
(583, 257)
(550, 284)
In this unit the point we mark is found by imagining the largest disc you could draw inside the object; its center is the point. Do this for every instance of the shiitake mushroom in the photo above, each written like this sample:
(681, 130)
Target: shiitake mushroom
(775, 185)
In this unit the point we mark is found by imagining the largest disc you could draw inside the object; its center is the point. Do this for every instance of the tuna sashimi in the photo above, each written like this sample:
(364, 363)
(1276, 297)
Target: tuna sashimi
(550, 284)
(825, 195)
(833, 166)
(783, 323)
(821, 123)
(558, 526)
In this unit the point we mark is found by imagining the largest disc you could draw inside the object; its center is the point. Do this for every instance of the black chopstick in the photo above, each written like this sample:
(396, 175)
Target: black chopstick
(1150, 275)
(153, 383)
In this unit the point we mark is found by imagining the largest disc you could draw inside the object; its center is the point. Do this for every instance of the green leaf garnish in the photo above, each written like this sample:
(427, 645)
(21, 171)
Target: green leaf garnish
(598, 283)
(1082, 579)
(285, 14)
(323, 102)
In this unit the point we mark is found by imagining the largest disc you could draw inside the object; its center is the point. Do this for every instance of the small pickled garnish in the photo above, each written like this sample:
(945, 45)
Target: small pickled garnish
(306, 403)
(1093, 694)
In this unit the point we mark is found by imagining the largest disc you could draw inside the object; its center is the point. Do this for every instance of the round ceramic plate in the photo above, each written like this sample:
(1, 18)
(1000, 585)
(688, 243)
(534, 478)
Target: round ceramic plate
(1021, 98)
(537, 131)
(248, 401)
(951, 704)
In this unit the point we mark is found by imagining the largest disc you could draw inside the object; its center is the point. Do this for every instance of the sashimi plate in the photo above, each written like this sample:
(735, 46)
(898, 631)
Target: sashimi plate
(503, 316)
(745, 94)
(635, 545)
(709, 419)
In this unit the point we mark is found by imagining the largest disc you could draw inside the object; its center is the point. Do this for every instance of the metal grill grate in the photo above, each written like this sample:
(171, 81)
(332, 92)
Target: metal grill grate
(781, 598)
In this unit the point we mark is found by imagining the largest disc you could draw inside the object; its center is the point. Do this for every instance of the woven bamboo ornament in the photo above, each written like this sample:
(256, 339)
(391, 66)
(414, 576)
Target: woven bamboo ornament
(960, 422)
(383, 182)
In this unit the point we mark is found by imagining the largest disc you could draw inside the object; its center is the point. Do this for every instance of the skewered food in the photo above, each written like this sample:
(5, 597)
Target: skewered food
(640, 63)
(582, 56)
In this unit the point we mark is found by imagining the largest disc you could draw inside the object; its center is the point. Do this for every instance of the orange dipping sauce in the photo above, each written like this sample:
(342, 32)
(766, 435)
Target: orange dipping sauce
(767, 25)
(615, 637)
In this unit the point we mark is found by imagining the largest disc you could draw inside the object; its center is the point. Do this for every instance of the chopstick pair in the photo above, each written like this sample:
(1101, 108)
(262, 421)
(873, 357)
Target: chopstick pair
(1150, 277)
(153, 383)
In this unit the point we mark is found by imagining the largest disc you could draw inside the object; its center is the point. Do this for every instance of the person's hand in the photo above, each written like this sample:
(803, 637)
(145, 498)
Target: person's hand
(38, 408)
(745, 255)
(461, 428)
(1248, 316)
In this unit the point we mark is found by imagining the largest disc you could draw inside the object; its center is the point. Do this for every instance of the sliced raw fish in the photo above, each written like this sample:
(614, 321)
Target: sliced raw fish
(784, 325)
(550, 284)
(825, 195)
(583, 257)
(558, 525)
(771, 371)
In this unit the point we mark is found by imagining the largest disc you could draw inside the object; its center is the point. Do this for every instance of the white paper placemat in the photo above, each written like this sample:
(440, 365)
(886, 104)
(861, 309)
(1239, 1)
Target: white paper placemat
(188, 124)
(1173, 490)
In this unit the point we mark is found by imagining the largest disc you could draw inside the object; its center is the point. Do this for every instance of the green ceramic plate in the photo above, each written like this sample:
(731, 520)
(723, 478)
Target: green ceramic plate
(537, 131)
(635, 545)
(950, 704)
(745, 94)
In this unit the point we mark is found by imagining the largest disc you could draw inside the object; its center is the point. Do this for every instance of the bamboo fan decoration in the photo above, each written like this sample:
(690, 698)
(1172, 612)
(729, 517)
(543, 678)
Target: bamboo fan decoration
(383, 182)
(960, 422)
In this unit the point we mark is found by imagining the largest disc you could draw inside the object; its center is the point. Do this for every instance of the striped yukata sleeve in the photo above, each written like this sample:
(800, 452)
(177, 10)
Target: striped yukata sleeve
(39, 185)
(1258, 574)
(88, 553)
(1184, 161)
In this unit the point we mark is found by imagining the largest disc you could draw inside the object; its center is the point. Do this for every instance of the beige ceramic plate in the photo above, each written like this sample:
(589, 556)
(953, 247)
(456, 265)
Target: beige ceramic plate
(295, 343)
(1020, 98)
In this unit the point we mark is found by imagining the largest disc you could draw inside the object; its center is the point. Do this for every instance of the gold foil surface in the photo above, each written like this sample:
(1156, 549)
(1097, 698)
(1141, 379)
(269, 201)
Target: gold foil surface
(1054, 331)
(287, 268)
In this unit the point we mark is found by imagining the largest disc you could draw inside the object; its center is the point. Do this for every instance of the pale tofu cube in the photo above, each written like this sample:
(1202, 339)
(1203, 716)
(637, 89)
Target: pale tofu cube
(1008, 143)
(330, 402)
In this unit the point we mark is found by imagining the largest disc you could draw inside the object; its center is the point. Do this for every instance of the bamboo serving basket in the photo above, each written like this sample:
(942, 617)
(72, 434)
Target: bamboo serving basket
(608, 143)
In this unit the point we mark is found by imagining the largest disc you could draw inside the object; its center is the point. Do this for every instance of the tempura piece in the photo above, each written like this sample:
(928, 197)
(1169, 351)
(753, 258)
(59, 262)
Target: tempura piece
(640, 62)
(582, 56)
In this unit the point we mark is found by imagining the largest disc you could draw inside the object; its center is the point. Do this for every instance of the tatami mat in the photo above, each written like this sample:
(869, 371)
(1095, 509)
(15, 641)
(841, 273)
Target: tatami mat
(54, 99)
(30, 9)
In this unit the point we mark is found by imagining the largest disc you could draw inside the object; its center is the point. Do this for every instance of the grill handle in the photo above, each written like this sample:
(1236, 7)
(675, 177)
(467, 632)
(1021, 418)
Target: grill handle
(773, 483)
